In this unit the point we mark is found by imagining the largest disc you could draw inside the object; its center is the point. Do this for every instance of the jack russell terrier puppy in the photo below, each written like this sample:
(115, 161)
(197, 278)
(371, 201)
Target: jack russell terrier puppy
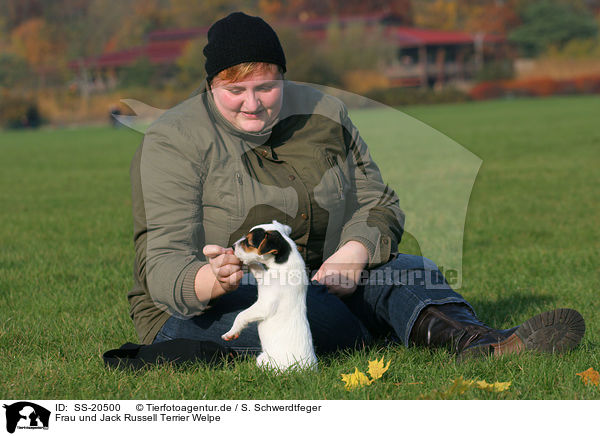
(280, 309)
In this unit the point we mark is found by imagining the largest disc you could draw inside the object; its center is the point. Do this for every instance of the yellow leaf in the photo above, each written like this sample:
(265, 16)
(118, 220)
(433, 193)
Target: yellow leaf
(590, 376)
(493, 387)
(376, 368)
(460, 386)
(355, 380)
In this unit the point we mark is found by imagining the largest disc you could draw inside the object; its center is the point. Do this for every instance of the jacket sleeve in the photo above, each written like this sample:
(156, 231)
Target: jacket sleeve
(373, 214)
(171, 181)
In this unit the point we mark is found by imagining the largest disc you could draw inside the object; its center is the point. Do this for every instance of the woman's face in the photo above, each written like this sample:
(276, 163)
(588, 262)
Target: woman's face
(252, 104)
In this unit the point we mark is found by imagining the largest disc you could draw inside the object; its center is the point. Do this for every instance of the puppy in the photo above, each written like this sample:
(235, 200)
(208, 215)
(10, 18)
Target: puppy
(280, 309)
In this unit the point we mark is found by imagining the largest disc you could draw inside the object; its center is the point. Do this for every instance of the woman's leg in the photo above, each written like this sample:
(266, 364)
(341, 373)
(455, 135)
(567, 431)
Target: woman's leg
(333, 325)
(410, 298)
(392, 296)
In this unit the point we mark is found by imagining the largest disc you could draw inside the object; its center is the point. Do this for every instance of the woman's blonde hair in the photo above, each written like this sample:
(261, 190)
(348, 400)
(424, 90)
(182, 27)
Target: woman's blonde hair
(239, 72)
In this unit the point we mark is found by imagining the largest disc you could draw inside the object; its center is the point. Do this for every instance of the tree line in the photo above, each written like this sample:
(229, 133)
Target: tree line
(39, 38)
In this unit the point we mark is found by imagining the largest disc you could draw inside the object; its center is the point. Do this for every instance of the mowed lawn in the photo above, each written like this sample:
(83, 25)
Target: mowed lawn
(531, 244)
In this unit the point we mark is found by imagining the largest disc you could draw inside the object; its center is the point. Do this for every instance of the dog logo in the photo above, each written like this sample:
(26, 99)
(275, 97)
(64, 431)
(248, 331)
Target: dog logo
(26, 415)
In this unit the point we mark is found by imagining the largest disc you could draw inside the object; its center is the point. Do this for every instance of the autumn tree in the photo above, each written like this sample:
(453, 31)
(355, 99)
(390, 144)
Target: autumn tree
(303, 10)
(436, 14)
(475, 16)
(498, 17)
(190, 65)
(15, 12)
(14, 71)
(345, 50)
(555, 23)
(32, 41)
(185, 13)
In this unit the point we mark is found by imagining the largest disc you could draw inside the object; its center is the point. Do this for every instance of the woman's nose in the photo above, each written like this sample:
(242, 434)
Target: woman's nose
(251, 103)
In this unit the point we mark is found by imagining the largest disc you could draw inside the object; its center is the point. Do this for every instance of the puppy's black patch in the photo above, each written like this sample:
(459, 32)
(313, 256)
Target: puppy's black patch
(276, 244)
(256, 237)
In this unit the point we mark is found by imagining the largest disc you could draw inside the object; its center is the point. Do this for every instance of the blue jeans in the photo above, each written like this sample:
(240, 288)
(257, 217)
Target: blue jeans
(385, 304)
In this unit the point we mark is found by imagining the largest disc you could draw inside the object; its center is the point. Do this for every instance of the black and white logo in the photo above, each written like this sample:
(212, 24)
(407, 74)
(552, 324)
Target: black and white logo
(26, 415)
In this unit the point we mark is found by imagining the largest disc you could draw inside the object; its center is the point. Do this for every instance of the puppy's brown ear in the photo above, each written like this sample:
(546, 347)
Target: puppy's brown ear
(275, 244)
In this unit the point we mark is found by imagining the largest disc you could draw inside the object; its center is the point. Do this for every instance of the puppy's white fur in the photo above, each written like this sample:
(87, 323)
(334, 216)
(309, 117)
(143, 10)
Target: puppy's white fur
(280, 309)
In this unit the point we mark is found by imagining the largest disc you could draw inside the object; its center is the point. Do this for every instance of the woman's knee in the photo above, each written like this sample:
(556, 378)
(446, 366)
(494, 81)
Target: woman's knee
(410, 261)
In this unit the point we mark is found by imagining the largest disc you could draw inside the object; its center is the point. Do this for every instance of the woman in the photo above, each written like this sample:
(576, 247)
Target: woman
(251, 147)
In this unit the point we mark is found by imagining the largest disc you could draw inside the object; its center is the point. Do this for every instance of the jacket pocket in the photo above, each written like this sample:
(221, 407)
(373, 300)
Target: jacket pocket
(335, 169)
(238, 215)
(239, 184)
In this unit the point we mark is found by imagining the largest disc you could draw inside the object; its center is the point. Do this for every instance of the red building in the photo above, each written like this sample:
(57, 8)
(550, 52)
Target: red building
(425, 57)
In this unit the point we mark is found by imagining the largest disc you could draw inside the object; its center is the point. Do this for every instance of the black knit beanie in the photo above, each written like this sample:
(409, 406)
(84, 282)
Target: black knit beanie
(240, 38)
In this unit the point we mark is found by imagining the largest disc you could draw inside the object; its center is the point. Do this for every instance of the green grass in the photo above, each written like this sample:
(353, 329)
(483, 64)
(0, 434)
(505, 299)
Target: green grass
(531, 244)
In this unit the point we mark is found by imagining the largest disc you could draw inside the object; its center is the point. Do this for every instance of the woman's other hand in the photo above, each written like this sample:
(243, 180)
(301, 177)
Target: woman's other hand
(341, 271)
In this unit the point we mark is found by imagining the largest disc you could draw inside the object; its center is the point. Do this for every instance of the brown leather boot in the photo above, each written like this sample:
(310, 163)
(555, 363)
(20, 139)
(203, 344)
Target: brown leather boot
(456, 327)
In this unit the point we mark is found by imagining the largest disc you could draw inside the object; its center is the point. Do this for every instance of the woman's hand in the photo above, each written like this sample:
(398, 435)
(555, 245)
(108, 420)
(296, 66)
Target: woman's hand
(341, 272)
(225, 266)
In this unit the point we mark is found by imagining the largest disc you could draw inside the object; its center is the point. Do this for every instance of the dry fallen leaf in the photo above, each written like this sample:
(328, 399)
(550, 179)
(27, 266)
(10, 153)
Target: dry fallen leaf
(493, 387)
(356, 379)
(376, 368)
(460, 386)
(590, 376)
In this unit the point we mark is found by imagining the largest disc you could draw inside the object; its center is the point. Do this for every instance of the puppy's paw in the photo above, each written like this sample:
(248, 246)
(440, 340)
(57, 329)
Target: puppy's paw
(229, 336)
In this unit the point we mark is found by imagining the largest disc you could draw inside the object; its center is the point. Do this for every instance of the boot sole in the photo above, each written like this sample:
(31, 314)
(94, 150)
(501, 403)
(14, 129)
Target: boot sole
(556, 331)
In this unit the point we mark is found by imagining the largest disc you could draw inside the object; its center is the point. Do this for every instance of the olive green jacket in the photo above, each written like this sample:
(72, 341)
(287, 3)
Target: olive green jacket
(197, 180)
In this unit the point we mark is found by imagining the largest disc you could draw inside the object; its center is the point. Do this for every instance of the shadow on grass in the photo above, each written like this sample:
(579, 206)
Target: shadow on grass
(514, 308)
